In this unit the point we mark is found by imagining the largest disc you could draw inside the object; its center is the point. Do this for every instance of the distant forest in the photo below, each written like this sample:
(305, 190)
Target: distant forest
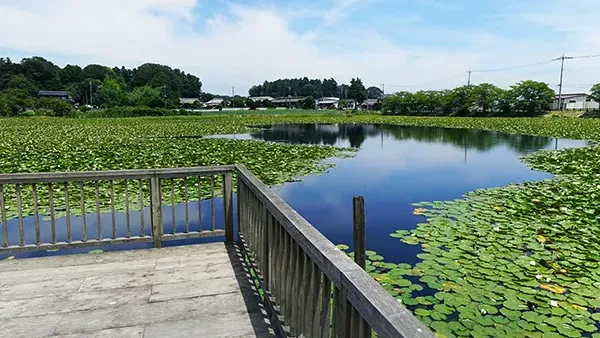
(145, 85)
(316, 88)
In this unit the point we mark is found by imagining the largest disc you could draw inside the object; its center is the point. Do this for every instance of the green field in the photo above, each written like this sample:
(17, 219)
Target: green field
(518, 261)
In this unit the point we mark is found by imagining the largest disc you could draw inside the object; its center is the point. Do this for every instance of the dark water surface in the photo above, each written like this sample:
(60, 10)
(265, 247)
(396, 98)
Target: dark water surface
(397, 166)
(394, 167)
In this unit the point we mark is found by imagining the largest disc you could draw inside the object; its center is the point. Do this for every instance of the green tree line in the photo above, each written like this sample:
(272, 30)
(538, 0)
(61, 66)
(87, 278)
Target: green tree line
(317, 88)
(524, 98)
(147, 85)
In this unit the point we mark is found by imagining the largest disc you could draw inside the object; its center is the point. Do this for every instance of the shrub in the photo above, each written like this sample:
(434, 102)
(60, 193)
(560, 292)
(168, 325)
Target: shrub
(138, 112)
(55, 107)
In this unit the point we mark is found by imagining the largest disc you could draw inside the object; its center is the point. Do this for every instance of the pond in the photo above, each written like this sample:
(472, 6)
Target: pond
(393, 168)
(396, 166)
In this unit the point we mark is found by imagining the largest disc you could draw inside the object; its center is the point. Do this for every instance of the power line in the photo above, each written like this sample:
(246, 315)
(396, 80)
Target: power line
(513, 67)
(586, 56)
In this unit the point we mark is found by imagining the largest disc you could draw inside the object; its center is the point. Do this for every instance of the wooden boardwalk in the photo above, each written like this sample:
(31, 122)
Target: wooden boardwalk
(192, 291)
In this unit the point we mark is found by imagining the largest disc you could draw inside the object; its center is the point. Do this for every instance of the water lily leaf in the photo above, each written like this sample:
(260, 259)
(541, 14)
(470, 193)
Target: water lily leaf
(441, 308)
(95, 252)
(533, 317)
(419, 211)
(568, 331)
(9, 258)
(554, 288)
(584, 326)
(342, 247)
(422, 312)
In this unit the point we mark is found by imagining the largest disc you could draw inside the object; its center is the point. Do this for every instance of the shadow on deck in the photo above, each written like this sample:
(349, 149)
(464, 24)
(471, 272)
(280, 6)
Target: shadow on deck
(192, 291)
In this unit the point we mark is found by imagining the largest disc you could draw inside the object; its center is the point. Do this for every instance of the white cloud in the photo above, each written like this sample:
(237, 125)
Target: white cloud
(246, 45)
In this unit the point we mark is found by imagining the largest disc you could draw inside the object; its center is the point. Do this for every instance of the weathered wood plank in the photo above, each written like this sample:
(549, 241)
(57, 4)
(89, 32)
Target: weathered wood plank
(228, 207)
(358, 204)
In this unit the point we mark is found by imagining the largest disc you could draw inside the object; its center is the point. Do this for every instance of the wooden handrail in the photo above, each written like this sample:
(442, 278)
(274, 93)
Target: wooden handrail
(80, 192)
(300, 256)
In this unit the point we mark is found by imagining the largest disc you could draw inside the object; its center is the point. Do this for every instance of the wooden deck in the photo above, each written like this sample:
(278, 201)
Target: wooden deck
(192, 291)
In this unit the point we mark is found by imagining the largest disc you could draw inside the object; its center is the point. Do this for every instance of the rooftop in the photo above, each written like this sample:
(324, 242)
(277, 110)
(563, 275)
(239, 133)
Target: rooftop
(59, 93)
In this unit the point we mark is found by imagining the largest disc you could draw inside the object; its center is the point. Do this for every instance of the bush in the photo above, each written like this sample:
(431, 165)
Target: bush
(55, 107)
(138, 112)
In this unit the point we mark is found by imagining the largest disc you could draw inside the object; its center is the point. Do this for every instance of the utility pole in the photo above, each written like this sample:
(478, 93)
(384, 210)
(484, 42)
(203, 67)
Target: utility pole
(560, 86)
(469, 81)
(233, 96)
(383, 88)
(165, 95)
(90, 93)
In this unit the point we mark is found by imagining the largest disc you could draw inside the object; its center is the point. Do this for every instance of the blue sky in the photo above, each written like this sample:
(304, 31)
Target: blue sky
(406, 44)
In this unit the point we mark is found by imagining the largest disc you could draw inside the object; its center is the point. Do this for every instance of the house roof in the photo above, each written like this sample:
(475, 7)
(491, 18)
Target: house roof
(59, 93)
(260, 98)
(188, 99)
(370, 102)
(569, 96)
(215, 101)
(288, 99)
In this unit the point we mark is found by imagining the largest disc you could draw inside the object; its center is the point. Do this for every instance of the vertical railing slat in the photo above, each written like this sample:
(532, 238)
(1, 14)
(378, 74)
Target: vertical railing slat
(83, 220)
(199, 188)
(228, 207)
(68, 213)
(325, 313)
(36, 214)
(98, 224)
(212, 201)
(173, 224)
(112, 209)
(141, 201)
(185, 201)
(20, 215)
(127, 212)
(3, 218)
(52, 216)
(156, 211)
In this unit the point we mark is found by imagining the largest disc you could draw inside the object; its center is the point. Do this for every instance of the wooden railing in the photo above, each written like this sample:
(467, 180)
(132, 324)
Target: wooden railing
(310, 288)
(45, 211)
(309, 284)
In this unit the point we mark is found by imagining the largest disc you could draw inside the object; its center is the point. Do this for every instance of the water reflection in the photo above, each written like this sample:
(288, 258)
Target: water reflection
(396, 166)
(354, 135)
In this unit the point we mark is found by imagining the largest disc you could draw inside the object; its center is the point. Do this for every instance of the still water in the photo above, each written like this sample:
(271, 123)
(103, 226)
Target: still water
(394, 167)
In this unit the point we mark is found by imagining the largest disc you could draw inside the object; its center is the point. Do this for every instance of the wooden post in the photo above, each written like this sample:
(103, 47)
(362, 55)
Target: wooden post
(359, 231)
(156, 210)
(228, 206)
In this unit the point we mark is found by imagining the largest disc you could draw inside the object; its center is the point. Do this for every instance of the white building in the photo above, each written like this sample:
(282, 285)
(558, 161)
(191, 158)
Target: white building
(216, 102)
(577, 101)
(261, 98)
(328, 102)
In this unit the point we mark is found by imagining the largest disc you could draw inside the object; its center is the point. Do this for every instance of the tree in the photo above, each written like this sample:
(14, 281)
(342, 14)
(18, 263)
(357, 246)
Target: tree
(14, 101)
(56, 107)
(71, 74)
(21, 82)
(330, 88)
(357, 90)
(595, 92)
(267, 104)
(255, 91)
(42, 72)
(97, 72)
(205, 97)
(238, 102)
(309, 103)
(110, 94)
(374, 93)
(486, 97)
(531, 97)
(145, 96)
(462, 100)
(251, 104)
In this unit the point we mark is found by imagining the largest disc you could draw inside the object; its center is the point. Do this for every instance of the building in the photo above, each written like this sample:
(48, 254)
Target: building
(261, 98)
(576, 101)
(188, 100)
(285, 102)
(369, 104)
(214, 103)
(54, 94)
(328, 103)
